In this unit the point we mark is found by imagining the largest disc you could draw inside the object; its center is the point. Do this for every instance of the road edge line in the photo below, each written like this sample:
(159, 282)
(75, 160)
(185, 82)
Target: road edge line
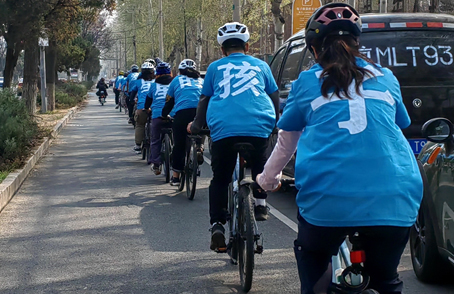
(12, 183)
(279, 215)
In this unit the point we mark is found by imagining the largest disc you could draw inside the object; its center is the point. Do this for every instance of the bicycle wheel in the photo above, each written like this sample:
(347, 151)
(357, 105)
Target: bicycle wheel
(233, 251)
(191, 173)
(167, 150)
(245, 238)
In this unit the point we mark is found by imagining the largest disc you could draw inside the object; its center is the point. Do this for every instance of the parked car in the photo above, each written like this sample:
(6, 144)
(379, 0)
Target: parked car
(432, 237)
(416, 47)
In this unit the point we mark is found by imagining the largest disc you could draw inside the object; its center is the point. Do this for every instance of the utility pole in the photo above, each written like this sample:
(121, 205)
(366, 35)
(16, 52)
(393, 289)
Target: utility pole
(236, 10)
(134, 36)
(126, 56)
(43, 43)
(120, 54)
(161, 37)
(116, 60)
(383, 6)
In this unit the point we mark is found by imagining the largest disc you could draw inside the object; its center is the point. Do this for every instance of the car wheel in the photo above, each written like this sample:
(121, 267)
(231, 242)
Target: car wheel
(428, 265)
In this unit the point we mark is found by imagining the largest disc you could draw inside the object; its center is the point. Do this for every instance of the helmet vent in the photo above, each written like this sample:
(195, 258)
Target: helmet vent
(331, 15)
(243, 30)
(347, 14)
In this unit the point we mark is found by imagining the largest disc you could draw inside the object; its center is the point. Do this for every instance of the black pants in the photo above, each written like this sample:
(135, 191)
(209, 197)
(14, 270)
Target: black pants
(130, 104)
(180, 135)
(223, 160)
(383, 246)
(117, 95)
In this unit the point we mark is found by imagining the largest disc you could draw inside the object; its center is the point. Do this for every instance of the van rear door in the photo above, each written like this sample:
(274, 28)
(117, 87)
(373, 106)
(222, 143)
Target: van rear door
(423, 62)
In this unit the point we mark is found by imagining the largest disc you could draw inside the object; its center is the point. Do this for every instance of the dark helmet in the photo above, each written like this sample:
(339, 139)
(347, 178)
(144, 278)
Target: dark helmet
(134, 68)
(163, 68)
(333, 19)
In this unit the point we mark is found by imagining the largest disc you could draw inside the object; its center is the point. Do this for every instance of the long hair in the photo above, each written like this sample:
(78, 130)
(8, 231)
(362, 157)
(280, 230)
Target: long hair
(337, 55)
(190, 72)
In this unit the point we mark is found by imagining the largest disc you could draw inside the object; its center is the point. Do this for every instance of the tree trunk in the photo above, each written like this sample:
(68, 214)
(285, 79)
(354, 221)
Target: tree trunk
(198, 45)
(279, 23)
(51, 61)
(31, 74)
(14, 48)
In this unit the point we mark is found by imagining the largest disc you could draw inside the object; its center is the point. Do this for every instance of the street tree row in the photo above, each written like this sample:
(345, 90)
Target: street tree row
(75, 29)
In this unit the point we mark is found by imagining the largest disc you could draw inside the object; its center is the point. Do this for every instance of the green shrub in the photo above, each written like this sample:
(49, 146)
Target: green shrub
(69, 94)
(18, 130)
(88, 84)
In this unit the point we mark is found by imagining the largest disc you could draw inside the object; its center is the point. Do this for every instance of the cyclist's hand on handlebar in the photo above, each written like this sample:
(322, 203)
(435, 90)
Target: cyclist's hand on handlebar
(188, 128)
(257, 181)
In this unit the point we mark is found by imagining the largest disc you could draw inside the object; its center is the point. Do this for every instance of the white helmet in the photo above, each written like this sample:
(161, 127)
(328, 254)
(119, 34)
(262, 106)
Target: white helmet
(187, 63)
(233, 30)
(147, 65)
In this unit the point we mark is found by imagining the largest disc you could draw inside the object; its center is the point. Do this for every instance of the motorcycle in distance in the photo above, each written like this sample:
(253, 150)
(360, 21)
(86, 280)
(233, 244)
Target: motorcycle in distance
(102, 97)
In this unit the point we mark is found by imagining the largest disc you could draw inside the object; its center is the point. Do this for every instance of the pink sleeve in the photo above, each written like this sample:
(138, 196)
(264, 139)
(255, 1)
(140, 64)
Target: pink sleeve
(283, 151)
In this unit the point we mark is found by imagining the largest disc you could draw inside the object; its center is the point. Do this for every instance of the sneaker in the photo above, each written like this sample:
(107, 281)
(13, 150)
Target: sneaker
(156, 169)
(130, 121)
(218, 238)
(174, 181)
(200, 159)
(118, 106)
(137, 148)
(261, 213)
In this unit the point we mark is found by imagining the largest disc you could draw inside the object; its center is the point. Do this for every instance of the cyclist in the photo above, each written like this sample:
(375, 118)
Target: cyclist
(101, 86)
(149, 60)
(236, 105)
(130, 101)
(354, 169)
(141, 87)
(116, 90)
(156, 98)
(182, 97)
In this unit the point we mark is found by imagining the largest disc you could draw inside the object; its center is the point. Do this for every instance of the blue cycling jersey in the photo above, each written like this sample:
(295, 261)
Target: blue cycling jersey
(131, 77)
(118, 81)
(354, 166)
(186, 92)
(158, 93)
(142, 88)
(239, 86)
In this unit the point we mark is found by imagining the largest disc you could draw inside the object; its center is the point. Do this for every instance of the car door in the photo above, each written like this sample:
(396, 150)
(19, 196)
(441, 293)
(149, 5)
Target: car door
(445, 198)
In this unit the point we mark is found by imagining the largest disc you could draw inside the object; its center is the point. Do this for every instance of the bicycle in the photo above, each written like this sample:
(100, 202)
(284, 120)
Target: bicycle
(244, 236)
(146, 139)
(348, 274)
(166, 150)
(191, 168)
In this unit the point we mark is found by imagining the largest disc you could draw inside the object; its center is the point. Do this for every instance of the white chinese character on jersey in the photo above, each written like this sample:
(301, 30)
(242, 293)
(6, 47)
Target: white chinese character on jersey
(161, 91)
(246, 76)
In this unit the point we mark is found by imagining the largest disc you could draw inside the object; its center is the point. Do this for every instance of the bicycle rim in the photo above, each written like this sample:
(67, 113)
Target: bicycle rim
(234, 246)
(191, 176)
(245, 238)
(167, 158)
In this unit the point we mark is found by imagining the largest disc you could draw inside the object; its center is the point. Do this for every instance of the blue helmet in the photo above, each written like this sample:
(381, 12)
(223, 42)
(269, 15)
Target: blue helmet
(163, 68)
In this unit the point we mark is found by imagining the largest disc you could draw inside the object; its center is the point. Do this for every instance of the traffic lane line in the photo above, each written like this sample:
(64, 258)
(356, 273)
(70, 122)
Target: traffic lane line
(279, 215)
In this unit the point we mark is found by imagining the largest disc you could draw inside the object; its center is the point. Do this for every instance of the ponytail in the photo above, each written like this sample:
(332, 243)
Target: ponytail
(190, 72)
(337, 55)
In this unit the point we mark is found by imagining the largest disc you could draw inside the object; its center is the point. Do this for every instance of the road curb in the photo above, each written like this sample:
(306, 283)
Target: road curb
(14, 180)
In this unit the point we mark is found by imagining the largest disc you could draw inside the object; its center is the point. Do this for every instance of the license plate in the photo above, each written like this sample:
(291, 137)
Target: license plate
(417, 145)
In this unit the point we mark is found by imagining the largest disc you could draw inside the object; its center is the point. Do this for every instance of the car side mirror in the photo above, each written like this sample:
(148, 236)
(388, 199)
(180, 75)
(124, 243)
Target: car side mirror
(438, 130)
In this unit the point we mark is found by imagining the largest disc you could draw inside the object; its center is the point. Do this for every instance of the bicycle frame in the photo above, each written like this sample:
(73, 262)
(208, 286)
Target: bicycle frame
(237, 177)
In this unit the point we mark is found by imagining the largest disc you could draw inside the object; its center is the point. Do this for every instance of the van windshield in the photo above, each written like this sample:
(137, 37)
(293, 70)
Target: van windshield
(416, 57)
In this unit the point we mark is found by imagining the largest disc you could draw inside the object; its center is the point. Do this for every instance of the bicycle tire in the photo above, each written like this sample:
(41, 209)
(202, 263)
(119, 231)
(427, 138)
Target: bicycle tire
(245, 238)
(191, 175)
(167, 150)
(233, 253)
(144, 152)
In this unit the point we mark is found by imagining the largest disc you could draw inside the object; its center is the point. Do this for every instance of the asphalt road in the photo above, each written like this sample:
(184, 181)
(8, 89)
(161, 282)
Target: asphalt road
(92, 218)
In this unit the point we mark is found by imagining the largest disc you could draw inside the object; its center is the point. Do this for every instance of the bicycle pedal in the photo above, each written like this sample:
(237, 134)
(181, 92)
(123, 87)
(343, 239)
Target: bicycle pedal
(258, 249)
(198, 173)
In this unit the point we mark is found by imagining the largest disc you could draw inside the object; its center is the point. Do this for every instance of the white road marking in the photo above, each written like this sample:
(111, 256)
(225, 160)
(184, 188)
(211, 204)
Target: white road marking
(279, 215)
